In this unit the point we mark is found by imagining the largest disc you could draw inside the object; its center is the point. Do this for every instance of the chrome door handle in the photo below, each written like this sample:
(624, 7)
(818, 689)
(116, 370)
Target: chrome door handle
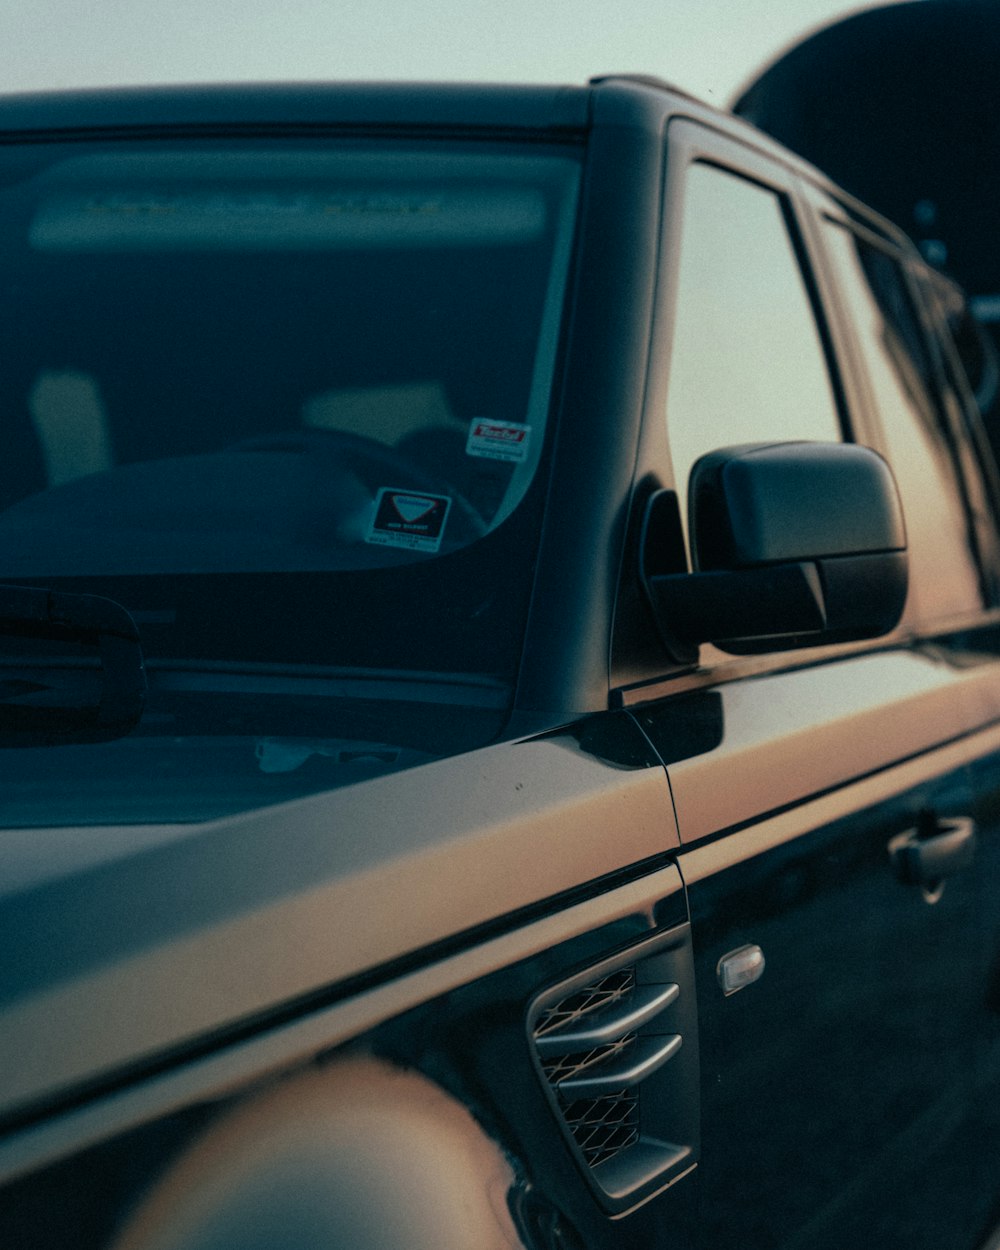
(937, 848)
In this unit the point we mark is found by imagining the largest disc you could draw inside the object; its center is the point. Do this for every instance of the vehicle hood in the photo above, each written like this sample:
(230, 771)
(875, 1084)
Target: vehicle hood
(201, 755)
(124, 944)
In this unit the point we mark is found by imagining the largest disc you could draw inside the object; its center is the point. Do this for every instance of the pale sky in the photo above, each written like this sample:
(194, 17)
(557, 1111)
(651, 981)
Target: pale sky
(709, 47)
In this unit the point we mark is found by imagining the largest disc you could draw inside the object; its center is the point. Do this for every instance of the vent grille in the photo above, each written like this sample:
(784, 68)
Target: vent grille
(601, 1127)
(581, 1003)
(604, 1127)
(566, 1067)
(612, 1047)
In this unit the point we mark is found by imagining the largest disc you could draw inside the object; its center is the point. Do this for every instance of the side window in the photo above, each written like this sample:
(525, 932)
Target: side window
(747, 362)
(967, 360)
(944, 579)
(976, 351)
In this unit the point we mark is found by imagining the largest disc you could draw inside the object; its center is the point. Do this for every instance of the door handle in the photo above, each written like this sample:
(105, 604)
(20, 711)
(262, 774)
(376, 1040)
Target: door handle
(936, 848)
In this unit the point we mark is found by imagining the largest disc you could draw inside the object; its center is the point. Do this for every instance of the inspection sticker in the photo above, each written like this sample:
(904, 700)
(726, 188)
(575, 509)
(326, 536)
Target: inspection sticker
(405, 519)
(497, 440)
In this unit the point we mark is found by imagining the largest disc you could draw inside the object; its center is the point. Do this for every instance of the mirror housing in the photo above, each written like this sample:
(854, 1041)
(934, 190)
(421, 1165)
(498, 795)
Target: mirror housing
(793, 545)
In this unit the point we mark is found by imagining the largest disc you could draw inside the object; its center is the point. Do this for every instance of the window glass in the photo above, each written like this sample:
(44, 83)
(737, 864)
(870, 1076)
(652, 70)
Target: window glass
(975, 349)
(943, 576)
(747, 363)
(286, 401)
(973, 365)
(242, 379)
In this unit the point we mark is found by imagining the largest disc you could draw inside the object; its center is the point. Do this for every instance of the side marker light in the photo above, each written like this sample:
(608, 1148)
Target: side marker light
(740, 968)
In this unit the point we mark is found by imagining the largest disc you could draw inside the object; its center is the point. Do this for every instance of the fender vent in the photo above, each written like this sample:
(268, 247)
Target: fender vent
(604, 1126)
(608, 1046)
(603, 993)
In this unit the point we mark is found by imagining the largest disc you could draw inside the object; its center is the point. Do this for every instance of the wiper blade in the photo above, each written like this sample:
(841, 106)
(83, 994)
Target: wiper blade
(327, 681)
(87, 682)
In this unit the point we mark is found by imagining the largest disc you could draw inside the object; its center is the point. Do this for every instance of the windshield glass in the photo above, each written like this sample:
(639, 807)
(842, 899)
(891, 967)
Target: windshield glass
(286, 402)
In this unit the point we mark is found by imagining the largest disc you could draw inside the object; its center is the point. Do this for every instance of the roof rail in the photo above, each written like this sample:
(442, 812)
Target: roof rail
(645, 80)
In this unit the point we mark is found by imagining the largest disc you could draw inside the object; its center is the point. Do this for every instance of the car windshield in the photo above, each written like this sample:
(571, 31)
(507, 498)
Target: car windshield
(285, 401)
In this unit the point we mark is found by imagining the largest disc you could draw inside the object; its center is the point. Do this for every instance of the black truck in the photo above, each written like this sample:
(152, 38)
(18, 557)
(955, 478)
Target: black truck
(499, 685)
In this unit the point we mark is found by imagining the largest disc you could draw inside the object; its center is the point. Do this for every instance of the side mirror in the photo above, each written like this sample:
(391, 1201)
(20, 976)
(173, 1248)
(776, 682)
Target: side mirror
(793, 544)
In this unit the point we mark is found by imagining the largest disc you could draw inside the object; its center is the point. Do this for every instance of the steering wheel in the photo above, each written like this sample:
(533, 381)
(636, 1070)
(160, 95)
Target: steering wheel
(376, 465)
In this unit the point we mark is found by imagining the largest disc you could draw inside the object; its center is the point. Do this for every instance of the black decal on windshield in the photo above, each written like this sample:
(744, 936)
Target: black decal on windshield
(405, 519)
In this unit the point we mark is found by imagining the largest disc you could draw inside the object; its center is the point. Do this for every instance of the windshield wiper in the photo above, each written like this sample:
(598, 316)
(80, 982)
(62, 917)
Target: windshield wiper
(71, 668)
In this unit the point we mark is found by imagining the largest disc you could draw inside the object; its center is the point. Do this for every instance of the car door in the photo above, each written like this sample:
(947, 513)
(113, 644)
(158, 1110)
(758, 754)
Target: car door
(877, 286)
(837, 1002)
(967, 365)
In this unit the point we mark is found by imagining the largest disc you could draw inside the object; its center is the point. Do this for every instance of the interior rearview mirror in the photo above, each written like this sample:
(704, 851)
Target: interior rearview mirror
(71, 668)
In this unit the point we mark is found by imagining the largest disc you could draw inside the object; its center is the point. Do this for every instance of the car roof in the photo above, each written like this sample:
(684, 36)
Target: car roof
(533, 111)
(404, 105)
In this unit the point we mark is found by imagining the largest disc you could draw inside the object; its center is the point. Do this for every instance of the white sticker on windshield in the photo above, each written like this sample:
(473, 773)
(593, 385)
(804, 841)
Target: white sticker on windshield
(498, 440)
(406, 519)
